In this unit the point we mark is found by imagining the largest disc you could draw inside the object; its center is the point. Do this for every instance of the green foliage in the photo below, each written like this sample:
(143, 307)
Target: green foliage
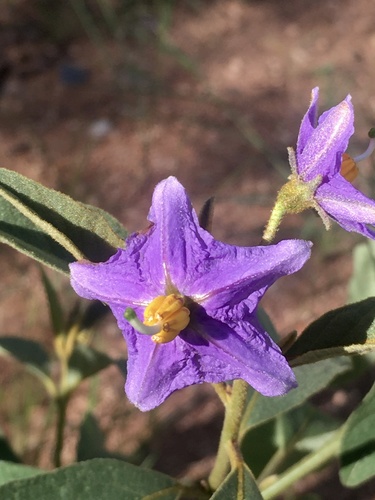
(240, 483)
(54, 306)
(362, 283)
(51, 227)
(86, 362)
(32, 355)
(358, 444)
(10, 472)
(98, 479)
(344, 331)
(311, 379)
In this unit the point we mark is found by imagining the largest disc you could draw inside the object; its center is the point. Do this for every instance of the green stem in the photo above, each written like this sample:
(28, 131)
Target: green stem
(235, 409)
(308, 464)
(273, 223)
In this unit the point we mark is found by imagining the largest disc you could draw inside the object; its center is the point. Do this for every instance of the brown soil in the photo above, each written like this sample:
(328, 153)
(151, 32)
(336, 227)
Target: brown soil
(219, 114)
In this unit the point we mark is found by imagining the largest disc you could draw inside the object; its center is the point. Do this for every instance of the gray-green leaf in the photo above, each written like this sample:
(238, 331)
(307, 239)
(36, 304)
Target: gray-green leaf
(357, 455)
(98, 479)
(311, 379)
(239, 484)
(51, 227)
(344, 331)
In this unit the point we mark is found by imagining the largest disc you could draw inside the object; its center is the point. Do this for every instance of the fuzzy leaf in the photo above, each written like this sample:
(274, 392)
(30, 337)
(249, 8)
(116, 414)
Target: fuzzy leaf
(357, 455)
(362, 283)
(311, 379)
(10, 471)
(51, 227)
(240, 483)
(54, 306)
(344, 331)
(98, 479)
(86, 362)
(32, 355)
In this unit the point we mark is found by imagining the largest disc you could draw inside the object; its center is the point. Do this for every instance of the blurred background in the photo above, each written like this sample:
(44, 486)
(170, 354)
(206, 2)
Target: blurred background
(101, 99)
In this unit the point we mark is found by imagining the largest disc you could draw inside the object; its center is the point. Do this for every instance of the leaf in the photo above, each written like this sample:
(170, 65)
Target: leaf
(6, 452)
(10, 471)
(362, 283)
(51, 227)
(54, 306)
(91, 443)
(98, 479)
(311, 379)
(85, 362)
(239, 484)
(344, 331)
(357, 454)
(32, 355)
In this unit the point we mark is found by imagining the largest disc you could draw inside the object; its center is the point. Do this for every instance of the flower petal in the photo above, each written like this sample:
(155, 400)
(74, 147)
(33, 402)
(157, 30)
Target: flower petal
(105, 281)
(229, 274)
(322, 152)
(309, 121)
(348, 206)
(215, 353)
(178, 244)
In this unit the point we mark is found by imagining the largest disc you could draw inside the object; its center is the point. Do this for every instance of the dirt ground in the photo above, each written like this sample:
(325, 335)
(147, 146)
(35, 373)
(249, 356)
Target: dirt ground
(213, 96)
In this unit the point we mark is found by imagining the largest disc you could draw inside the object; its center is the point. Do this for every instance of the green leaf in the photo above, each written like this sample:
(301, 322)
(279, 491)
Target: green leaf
(51, 227)
(362, 283)
(311, 379)
(10, 471)
(240, 484)
(91, 443)
(344, 331)
(98, 479)
(54, 306)
(6, 452)
(357, 455)
(32, 355)
(85, 362)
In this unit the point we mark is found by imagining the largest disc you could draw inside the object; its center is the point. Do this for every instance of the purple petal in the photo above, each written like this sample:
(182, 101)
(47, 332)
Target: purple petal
(178, 243)
(322, 152)
(229, 274)
(348, 206)
(210, 351)
(120, 280)
(309, 121)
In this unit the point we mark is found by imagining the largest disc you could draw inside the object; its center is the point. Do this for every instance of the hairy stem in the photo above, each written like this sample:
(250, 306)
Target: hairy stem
(235, 409)
(311, 462)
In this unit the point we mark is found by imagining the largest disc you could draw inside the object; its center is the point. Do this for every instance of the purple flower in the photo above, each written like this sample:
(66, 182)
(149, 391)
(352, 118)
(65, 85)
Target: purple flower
(322, 173)
(199, 294)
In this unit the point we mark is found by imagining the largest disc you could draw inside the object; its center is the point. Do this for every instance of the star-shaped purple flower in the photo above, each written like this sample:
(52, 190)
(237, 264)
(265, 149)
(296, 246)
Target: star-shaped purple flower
(320, 147)
(219, 286)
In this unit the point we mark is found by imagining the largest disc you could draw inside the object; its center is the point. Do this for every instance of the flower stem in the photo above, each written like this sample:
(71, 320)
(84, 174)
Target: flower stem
(308, 464)
(235, 409)
(276, 216)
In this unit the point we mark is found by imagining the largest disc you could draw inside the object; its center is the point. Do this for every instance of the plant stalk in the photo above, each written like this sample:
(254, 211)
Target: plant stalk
(311, 462)
(234, 411)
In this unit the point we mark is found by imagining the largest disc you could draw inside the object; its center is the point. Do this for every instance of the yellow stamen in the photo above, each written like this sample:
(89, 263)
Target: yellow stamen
(349, 169)
(168, 312)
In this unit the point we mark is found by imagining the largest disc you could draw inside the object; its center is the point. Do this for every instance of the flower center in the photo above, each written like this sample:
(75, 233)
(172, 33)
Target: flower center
(164, 318)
